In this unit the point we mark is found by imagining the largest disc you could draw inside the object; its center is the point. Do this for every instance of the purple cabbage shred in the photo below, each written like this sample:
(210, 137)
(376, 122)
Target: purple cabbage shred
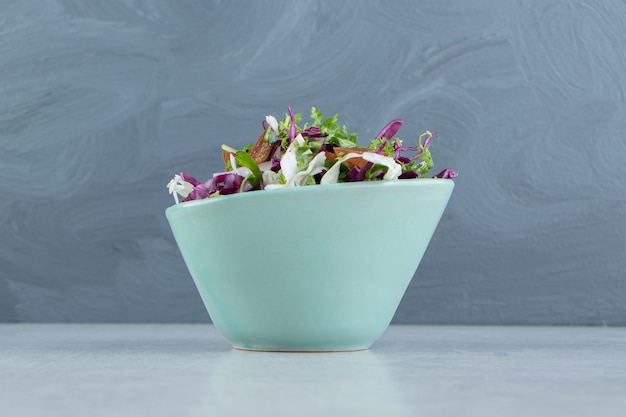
(224, 184)
(447, 174)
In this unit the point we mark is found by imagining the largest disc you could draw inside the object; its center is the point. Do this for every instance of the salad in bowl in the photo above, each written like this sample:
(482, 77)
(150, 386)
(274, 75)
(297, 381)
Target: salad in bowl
(305, 268)
(319, 152)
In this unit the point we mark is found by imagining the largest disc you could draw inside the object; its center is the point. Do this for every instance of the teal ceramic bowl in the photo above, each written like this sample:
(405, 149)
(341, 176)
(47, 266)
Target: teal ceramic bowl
(315, 268)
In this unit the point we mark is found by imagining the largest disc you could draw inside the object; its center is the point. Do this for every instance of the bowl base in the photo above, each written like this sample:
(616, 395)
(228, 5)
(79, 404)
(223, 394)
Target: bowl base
(274, 350)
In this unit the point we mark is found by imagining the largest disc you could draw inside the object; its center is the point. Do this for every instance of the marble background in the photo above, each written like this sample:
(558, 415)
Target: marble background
(102, 102)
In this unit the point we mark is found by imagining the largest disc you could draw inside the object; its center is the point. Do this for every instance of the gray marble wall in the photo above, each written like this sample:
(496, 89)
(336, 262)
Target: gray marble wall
(101, 102)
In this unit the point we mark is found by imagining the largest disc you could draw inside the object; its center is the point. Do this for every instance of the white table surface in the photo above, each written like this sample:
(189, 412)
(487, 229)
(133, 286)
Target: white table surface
(190, 370)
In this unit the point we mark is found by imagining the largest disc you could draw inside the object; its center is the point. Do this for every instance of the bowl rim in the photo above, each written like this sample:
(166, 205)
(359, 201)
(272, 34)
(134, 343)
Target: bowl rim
(312, 189)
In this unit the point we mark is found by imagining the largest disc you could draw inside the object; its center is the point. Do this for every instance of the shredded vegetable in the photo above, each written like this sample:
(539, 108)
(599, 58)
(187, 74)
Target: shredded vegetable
(320, 152)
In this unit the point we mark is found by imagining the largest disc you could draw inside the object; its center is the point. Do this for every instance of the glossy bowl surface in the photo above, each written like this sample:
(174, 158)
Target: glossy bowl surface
(315, 268)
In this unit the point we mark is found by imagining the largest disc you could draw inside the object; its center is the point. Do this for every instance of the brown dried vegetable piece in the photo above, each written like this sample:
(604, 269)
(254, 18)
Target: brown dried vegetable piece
(226, 158)
(260, 151)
